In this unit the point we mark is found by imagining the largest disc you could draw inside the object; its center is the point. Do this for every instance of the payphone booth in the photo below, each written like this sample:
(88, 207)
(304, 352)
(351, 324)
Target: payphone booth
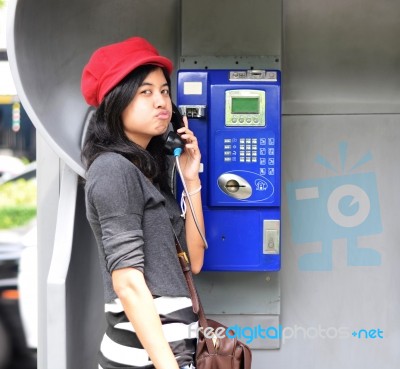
(331, 55)
(236, 116)
(241, 158)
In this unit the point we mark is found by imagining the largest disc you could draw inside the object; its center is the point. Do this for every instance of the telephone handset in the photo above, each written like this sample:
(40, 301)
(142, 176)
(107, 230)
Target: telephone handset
(172, 143)
(173, 140)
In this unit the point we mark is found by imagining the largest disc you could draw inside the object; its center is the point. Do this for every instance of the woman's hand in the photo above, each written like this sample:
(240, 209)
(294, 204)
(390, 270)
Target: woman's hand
(190, 158)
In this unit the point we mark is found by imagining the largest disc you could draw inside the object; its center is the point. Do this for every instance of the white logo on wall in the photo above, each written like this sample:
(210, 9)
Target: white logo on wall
(342, 206)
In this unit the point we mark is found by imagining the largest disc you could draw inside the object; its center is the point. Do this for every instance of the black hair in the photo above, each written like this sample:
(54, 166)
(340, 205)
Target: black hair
(105, 132)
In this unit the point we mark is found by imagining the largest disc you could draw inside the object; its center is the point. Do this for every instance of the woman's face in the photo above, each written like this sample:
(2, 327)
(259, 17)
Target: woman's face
(149, 112)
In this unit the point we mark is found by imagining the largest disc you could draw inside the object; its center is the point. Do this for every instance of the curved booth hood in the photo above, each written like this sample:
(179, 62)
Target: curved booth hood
(50, 41)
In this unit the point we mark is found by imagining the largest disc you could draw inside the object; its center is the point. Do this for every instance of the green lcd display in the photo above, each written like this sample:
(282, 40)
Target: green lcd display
(245, 105)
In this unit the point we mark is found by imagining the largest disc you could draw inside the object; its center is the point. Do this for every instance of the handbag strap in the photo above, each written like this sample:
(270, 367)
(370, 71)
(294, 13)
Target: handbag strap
(197, 306)
(185, 265)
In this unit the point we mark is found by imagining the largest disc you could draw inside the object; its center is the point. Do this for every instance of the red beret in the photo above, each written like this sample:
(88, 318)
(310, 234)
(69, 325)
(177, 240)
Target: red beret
(109, 65)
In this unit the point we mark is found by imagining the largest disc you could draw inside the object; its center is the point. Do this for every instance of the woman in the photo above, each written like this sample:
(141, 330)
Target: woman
(132, 211)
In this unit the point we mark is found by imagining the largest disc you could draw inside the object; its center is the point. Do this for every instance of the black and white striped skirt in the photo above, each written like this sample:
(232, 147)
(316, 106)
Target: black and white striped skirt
(121, 348)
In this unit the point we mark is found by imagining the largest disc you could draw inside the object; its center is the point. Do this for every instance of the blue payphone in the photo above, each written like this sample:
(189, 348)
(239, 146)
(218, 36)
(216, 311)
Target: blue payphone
(236, 116)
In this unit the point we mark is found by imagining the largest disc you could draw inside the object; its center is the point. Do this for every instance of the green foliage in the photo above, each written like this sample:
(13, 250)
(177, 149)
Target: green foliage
(12, 217)
(2, 2)
(17, 203)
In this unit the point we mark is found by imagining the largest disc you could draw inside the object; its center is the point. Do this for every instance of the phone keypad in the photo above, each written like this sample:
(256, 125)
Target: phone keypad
(258, 151)
(248, 150)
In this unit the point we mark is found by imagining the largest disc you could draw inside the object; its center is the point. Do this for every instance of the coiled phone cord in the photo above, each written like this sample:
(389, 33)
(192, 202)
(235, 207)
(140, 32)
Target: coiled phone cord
(177, 153)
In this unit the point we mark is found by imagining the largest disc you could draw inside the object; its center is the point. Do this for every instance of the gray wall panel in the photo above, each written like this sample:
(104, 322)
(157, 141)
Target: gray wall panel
(231, 34)
(341, 298)
(341, 56)
(227, 28)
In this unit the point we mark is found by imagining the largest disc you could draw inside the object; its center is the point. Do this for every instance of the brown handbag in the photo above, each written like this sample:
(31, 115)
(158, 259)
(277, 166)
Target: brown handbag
(219, 350)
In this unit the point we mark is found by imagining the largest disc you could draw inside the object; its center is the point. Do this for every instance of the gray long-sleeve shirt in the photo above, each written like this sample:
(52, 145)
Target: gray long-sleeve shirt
(131, 221)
